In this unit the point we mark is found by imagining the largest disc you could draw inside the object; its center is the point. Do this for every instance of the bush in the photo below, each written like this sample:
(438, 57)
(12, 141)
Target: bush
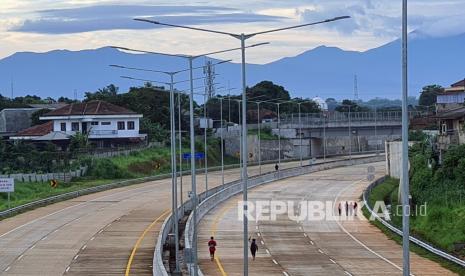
(105, 169)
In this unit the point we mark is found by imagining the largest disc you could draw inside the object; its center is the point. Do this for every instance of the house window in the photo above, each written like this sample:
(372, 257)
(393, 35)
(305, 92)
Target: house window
(106, 123)
(131, 125)
(94, 123)
(63, 126)
(74, 126)
(121, 126)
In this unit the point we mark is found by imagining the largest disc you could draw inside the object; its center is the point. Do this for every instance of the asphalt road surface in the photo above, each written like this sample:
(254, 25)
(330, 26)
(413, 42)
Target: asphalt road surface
(107, 233)
(328, 244)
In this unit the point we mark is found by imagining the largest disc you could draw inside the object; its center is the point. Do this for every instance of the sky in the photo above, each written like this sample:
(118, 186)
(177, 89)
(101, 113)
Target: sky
(44, 25)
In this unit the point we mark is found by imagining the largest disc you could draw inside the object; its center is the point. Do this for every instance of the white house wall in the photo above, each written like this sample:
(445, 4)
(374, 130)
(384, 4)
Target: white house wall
(102, 131)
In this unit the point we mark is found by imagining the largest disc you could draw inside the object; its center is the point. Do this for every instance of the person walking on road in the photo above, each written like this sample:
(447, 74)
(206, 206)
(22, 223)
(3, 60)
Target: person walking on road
(355, 208)
(253, 248)
(347, 209)
(212, 248)
(339, 208)
(276, 167)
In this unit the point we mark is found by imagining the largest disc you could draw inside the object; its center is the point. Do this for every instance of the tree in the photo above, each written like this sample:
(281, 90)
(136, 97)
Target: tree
(66, 100)
(35, 117)
(78, 141)
(154, 131)
(105, 94)
(429, 93)
(332, 103)
(354, 107)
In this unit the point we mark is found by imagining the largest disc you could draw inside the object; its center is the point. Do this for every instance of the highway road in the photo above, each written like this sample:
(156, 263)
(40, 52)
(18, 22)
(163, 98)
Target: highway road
(107, 233)
(341, 245)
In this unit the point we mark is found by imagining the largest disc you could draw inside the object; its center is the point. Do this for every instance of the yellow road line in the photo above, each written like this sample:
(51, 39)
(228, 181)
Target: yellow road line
(214, 228)
(136, 246)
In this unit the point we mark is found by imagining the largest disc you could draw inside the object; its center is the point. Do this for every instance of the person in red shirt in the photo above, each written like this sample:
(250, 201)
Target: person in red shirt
(212, 247)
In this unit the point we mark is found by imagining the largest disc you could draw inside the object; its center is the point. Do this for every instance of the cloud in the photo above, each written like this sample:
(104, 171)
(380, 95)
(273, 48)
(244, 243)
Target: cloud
(113, 17)
(447, 26)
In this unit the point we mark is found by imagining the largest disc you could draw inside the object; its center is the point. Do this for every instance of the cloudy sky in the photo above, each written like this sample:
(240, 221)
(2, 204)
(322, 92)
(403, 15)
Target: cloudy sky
(43, 25)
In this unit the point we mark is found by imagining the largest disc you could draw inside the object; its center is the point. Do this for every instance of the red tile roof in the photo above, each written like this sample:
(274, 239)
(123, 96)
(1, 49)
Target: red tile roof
(39, 130)
(90, 108)
(459, 83)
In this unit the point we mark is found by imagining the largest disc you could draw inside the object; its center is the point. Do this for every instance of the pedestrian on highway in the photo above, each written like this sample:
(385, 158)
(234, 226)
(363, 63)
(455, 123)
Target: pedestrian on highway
(276, 167)
(351, 208)
(253, 248)
(339, 208)
(212, 248)
(347, 209)
(355, 208)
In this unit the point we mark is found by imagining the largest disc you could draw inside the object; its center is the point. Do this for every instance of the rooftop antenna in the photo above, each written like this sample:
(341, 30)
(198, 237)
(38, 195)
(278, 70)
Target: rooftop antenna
(355, 88)
(75, 94)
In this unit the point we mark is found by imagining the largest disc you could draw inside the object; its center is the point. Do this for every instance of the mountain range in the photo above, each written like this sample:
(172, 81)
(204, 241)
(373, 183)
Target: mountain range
(322, 71)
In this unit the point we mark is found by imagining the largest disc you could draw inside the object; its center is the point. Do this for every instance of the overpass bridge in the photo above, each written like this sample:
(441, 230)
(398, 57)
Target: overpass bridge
(319, 134)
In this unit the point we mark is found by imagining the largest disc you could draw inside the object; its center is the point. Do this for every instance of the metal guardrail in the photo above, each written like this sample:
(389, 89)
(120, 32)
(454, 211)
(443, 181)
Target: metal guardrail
(213, 197)
(74, 194)
(100, 188)
(422, 244)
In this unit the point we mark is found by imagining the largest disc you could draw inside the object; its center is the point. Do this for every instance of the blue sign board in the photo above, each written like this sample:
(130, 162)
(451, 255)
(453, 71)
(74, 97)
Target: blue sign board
(198, 155)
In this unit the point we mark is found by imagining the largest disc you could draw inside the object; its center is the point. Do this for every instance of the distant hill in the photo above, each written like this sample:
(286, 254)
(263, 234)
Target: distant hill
(323, 71)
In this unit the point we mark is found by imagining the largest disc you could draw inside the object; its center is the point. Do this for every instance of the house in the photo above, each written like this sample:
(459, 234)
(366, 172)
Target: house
(105, 124)
(13, 120)
(451, 128)
(453, 97)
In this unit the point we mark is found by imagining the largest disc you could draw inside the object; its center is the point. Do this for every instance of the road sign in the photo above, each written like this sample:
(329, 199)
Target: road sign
(7, 185)
(198, 155)
(53, 183)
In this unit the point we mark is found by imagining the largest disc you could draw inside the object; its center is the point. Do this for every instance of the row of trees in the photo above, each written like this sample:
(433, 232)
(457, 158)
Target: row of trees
(265, 92)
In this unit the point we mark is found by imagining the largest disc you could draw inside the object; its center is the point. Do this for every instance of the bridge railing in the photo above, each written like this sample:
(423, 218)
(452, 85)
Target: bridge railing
(340, 117)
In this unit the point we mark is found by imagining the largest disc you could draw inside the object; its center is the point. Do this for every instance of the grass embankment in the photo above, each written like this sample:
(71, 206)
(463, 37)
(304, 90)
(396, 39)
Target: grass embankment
(148, 162)
(26, 192)
(441, 226)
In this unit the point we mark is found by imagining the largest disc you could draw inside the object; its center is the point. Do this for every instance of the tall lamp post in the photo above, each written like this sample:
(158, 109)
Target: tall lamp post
(190, 59)
(405, 180)
(243, 37)
(174, 186)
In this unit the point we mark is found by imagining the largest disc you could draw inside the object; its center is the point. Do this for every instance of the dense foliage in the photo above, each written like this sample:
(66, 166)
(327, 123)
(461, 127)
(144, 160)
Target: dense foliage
(429, 94)
(151, 101)
(352, 106)
(26, 158)
(19, 102)
(268, 94)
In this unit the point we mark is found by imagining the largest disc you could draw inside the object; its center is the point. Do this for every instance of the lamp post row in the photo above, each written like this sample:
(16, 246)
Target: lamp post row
(242, 37)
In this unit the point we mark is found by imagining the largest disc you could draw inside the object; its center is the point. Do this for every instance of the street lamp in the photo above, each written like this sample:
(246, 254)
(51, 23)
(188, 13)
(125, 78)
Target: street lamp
(174, 190)
(243, 37)
(190, 59)
(405, 180)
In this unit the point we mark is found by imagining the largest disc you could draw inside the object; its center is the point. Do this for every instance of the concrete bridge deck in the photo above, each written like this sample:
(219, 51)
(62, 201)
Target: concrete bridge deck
(327, 247)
